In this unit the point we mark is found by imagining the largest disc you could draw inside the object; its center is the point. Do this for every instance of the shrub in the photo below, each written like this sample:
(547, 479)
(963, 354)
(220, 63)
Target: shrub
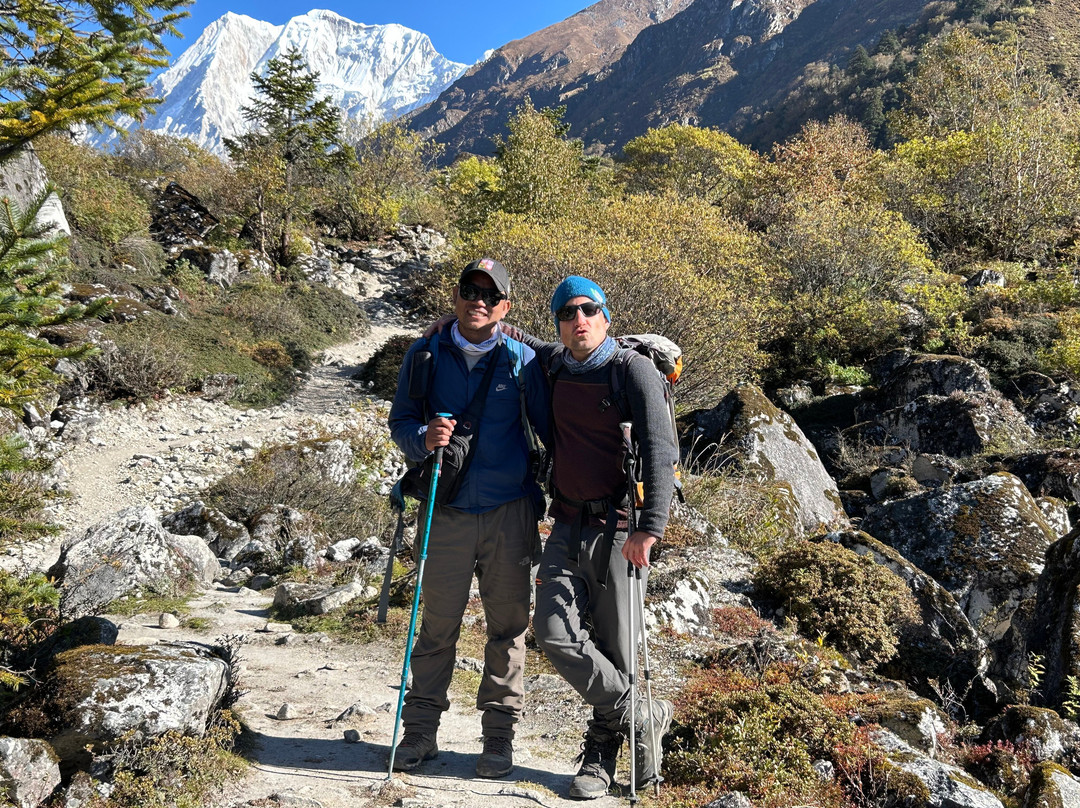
(856, 605)
(758, 518)
(383, 367)
(1063, 355)
(29, 612)
(100, 205)
(270, 353)
(173, 770)
(23, 494)
(755, 735)
(281, 475)
(142, 366)
(677, 267)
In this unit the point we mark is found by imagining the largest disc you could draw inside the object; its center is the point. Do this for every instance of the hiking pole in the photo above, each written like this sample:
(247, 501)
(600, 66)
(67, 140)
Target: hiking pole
(416, 598)
(631, 641)
(647, 673)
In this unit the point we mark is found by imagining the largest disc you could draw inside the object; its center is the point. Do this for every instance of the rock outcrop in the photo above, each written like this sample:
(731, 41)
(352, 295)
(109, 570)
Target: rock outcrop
(131, 553)
(748, 432)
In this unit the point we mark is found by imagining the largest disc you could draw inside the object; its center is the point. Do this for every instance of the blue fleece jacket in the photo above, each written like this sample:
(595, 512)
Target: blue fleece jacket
(499, 470)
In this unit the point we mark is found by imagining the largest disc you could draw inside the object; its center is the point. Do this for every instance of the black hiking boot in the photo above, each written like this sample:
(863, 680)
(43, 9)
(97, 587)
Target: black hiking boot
(414, 749)
(497, 759)
(598, 754)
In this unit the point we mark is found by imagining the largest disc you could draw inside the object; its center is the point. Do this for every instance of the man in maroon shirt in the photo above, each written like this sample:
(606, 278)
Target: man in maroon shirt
(582, 580)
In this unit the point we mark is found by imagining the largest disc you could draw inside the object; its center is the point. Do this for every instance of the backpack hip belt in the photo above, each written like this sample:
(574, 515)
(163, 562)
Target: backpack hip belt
(608, 508)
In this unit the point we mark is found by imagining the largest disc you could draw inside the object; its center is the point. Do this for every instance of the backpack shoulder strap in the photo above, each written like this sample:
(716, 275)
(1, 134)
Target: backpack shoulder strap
(620, 366)
(515, 357)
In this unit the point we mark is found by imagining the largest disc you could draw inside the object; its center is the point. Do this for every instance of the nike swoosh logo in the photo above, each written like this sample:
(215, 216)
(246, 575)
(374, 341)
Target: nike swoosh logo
(499, 388)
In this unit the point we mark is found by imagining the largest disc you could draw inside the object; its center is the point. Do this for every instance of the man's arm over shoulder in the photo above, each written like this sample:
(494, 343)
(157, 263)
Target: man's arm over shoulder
(544, 350)
(652, 425)
(406, 421)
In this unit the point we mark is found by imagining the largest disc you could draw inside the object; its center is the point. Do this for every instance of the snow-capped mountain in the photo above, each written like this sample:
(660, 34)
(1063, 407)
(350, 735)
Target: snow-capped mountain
(373, 72)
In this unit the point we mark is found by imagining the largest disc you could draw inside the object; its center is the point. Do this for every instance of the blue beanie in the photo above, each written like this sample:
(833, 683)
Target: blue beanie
(577, 286)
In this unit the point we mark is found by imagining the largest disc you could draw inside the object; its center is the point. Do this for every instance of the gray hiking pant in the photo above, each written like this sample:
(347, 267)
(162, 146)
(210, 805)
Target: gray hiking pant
(497, 547)
(569, 598)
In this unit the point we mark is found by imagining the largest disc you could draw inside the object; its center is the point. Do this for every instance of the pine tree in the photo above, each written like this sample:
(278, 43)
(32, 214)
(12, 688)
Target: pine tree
(298, 130)
(30, 261)
(860, 62)
(69, 62)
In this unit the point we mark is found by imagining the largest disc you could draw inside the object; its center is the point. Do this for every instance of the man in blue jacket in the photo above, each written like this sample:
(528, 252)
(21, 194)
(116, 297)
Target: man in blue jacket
(489, 528)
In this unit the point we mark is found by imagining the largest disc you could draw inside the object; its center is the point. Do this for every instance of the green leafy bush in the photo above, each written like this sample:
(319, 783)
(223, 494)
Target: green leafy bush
(29, 612)
(174, 770)
(100, 204)
(383, 367)
(23, 494)
(855, 604)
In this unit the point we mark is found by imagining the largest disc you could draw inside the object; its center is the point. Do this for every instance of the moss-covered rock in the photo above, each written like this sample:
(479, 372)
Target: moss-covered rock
(940, 652)
(1043, 733)
(1055, 631)
(1052, 786)
(746, 431)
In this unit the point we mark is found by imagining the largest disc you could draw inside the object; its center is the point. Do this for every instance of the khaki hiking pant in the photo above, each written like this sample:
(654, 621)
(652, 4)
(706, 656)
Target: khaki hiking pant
(497, 547)
(570, 599)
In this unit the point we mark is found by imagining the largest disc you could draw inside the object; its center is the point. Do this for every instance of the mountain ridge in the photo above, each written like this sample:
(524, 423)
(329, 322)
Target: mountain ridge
(372, 72)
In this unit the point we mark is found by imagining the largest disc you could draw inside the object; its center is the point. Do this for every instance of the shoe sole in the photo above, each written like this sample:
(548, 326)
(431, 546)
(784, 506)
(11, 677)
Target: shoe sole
(575, 794)
(494, 774)
(578, 793)
(400, 766)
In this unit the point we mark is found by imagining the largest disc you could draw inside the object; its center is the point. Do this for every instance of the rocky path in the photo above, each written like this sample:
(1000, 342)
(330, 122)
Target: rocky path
(297, 685)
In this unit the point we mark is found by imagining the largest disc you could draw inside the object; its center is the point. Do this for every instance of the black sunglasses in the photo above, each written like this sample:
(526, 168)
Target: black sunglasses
(472, 292)
(568, 313)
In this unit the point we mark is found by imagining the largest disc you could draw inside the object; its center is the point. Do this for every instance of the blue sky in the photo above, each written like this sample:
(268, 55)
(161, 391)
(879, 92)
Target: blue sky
(460, 31)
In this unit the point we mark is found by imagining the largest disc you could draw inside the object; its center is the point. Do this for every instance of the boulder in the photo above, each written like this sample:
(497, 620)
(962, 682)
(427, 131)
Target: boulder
(22, 180)
(930, 375)
(1051, 407)
(281, 537)
(1056, 513)
(29, 772)
(1055, 623)
(946, 786)
(985, 277)
(179, 218)
(222, 535)
(984, 541)
(1051, 785)
(103, 693)
(958, 425)
(1053, 473)
(126, 554)
(747, 431)
(299, 599)
(1042, 734)
(218, 264)
(87, 630)
(941, 653)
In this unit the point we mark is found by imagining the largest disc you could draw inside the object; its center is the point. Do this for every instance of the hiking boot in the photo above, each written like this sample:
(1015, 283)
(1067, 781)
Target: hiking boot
(598, 754)
(497, 759)
(414, 749)
(647, 769)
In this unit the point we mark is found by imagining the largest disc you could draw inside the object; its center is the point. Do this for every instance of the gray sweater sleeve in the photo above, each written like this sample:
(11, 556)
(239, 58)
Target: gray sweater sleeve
(656, 443)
